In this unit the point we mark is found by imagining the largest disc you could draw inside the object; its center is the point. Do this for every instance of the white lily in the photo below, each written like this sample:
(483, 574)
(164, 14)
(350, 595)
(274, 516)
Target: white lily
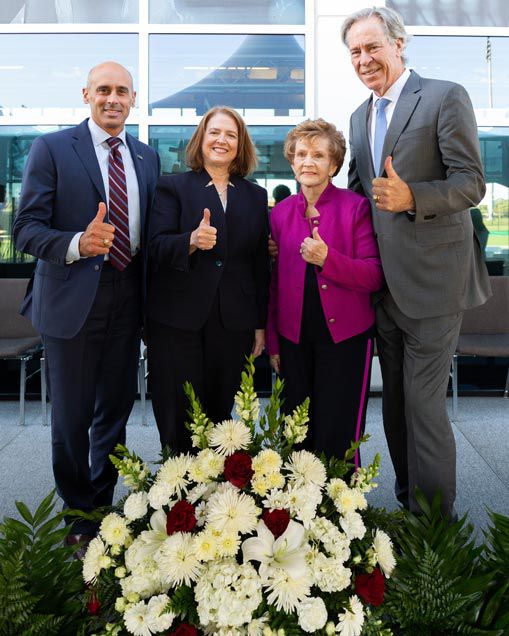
(287, 552)
(153, 539)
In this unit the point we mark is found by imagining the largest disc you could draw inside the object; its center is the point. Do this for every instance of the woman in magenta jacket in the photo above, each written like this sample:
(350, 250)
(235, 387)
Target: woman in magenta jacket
(321, 323)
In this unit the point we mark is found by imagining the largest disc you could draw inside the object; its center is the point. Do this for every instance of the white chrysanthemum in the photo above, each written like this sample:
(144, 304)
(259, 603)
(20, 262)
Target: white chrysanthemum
(159, 495)
(230, 510)
(229, 436)
(174, 473)
(382, 545)
(335, 487)
(353, 525)
(267, 461)
(227, 593)
(177, 559)
(96, 559)
(205, 545)
(255, 627)
(136, 505)
(260, 485)
(276, 499)
(275, 480)
(286, 592)
(305, 469)
(200, 512)
(228, 544)
(114, 529)
(329, 573)
(302, 502)
(312, 614)
(346, 501)
(158, 618)
(352, 619)
(136, 619)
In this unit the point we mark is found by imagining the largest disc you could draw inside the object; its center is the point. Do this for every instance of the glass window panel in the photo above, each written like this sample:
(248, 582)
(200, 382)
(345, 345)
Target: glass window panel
(227, 12)
(493, 227)
(42, 71)
(55, 11)
(191, 73)
(273, 169)
(15, 144)
(453, 12)
(466, 60)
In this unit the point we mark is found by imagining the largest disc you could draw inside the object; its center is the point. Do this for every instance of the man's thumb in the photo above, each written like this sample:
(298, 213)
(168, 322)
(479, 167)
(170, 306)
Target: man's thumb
(101, 212)
(389, 170)
(316, 236)
(206, 216)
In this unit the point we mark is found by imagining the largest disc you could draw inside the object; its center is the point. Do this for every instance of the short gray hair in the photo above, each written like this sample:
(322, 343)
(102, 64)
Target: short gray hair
(391, 20)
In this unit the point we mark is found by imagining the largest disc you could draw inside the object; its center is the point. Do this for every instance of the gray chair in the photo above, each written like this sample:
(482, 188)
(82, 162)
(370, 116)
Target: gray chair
(484, 332)
(18, 339)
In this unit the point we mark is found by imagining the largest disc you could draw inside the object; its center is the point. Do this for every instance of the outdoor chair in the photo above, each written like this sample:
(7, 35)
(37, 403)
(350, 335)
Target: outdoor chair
(18, 339)
(484, 332)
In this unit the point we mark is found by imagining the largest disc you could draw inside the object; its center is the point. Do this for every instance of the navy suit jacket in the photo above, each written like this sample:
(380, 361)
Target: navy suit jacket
(182, 287)
(62, 188)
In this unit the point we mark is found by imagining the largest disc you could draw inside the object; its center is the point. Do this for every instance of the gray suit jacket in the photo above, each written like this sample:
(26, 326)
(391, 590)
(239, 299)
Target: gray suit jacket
(432, 262)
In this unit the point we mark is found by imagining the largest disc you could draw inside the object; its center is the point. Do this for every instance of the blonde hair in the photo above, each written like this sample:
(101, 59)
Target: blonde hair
(244, 163)
(310, 130)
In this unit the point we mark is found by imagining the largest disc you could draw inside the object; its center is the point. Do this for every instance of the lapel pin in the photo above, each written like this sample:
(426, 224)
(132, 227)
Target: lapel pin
(140, 157)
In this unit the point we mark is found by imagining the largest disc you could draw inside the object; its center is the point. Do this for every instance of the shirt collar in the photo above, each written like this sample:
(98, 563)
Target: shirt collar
(99, 135)
(394, 91)
(211, 182)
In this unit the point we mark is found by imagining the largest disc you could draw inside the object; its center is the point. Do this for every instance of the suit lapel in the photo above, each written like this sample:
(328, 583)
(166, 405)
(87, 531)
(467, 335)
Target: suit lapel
(85, 150)
(363, 149)
(138, 162)
(405, 106)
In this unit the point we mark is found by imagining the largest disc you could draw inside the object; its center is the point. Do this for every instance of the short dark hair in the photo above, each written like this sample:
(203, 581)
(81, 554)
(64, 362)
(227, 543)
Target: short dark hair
(244, 163)
(312, 129)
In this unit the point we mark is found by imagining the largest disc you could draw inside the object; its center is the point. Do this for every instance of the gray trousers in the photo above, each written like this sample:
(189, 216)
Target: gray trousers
(415, 359)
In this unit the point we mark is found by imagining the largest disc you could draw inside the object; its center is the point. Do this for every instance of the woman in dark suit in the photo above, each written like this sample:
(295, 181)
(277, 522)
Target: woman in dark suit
(321, 322)
(208, 281)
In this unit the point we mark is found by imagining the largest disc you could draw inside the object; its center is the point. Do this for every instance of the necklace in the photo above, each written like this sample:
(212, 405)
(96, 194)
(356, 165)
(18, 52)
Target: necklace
(221, 192)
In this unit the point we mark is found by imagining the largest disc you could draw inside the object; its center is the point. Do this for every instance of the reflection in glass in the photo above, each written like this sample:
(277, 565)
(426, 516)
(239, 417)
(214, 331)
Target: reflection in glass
(227, 11)
(273, 169)
(452, 12)
(54, 11)
(15, 144)
(263, 73)
(466, 60)
(44, 72)
(495, 205)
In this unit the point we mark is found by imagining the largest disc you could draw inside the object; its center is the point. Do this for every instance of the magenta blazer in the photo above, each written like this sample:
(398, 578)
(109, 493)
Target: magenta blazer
(351, 272)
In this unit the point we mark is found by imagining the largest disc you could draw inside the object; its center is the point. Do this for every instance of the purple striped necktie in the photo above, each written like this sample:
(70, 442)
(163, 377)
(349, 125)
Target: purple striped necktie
(120, 251)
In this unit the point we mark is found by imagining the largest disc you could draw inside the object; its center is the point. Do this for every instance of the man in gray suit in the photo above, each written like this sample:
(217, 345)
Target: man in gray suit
(415, 154)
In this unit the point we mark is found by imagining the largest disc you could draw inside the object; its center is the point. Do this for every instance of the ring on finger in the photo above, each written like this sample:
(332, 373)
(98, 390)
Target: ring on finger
(376, 198)
(106, 242)
(301, 250)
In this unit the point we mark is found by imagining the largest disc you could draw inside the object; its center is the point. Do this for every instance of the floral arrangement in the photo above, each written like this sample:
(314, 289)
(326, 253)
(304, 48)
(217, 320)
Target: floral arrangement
(247, 536)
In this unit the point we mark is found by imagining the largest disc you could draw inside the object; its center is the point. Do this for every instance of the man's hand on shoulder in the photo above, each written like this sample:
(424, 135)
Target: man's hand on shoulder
(98, 237)
(391, 193)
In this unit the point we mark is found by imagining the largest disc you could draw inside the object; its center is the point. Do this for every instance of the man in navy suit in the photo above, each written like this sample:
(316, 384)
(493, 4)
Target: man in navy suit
(85, 300)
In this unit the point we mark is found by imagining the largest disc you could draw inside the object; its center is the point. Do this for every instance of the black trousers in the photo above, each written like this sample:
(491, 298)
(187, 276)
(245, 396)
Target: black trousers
(336, 379)
(211, 359)
(92, 384)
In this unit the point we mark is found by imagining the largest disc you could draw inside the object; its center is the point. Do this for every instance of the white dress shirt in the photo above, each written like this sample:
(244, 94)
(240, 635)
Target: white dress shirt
(102, 151)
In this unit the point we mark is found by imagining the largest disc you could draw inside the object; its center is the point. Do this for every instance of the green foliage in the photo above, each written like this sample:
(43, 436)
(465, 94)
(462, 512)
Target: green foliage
(40, 582)
(436, 587)
(495, 609)
(183, 604)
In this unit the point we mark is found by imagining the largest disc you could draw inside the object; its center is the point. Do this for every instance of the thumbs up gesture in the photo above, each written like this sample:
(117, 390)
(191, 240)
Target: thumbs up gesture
(98, 236)
(391, 193)
(205, 235)
(314, 250)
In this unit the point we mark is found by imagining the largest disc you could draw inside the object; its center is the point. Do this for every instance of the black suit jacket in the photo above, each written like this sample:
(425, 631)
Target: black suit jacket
(182, 287)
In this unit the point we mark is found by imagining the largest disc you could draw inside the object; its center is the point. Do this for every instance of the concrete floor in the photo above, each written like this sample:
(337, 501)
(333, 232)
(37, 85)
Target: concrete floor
(481, 430)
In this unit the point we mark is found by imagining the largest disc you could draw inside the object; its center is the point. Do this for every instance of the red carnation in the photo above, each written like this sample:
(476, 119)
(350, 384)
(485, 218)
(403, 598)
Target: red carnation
(184, 629)
(181, 518)
(276, 521)
(93, 605)
(238, 469)
(370, 587)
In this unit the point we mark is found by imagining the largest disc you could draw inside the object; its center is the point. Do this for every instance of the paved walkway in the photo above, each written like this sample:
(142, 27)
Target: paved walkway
(482, 438)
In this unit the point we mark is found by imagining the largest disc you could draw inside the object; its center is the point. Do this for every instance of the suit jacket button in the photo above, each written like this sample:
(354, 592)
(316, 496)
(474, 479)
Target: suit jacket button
(324, 286)
(315, 222)
(332, 320)
(219, 263)
(96, 267)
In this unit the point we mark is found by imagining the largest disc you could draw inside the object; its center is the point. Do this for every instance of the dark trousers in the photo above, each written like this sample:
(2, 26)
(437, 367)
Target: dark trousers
(335, 376)
(92, 383)
(415, 359)
(211, 359)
